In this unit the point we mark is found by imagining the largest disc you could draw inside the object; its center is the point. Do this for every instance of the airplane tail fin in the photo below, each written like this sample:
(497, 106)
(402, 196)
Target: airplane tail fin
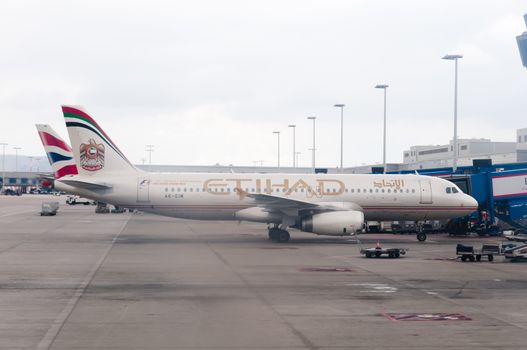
(59, 153)
(94, 151)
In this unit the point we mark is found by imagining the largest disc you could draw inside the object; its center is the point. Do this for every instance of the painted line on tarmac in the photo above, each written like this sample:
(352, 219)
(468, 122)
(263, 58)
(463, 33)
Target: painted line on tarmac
(16, 213)
(58, 324)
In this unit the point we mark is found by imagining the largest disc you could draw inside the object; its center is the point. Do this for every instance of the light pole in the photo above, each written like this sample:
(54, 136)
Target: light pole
(341, 106)
(454, 58)
(384, 87)
(294, 150)
(38, 163)
(297, 154)
(313, 149)
(150, 149)
(3, 166)
(16, 157)
(278, 134)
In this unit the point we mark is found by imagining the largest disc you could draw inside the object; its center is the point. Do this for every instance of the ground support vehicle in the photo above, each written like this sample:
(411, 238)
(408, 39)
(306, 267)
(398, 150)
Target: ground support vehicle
(468, 253)
(378, 251)
(517, 254)
(72, 200)
(49, 208)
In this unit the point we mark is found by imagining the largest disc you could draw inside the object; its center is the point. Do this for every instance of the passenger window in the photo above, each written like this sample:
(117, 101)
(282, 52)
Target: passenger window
(413, 190)
(376, 190)
(389, 190)
(358, 190)
(371, 191)
(352, 190)
(179, 189)
(382, 190)
(407, 191)
(448, 190)
(185, 189)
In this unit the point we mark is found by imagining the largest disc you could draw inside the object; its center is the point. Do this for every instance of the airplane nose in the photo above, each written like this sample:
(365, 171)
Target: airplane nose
(470, 202)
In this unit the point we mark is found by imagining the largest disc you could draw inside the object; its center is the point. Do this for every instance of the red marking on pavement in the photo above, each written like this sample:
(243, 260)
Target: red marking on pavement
(427, 317)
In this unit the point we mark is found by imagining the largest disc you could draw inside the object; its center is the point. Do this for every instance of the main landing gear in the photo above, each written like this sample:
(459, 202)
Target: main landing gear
(278, 235)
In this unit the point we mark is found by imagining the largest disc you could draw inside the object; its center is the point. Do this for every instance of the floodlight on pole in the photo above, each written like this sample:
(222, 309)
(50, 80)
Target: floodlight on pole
(455, 150)
(293, 126)
(277, 133)
(341, 106)
(38, 163)
(150, 149)
(297, 154)
(3, 144)
(16, 157)
(313, 149)
(384, 87)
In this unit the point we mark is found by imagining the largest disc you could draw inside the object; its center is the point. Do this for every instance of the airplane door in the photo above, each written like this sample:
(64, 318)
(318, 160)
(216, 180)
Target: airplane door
(426, 191)
(143, 189)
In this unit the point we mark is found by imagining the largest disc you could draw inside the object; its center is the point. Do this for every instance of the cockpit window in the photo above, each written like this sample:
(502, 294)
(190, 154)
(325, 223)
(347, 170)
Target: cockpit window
(454, 190)
(448, 190)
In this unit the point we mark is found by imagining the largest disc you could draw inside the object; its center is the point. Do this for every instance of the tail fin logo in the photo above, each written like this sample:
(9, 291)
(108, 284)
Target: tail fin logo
(92, 155)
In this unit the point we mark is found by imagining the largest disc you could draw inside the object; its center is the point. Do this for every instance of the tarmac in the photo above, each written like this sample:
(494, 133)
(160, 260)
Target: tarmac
(81, 280)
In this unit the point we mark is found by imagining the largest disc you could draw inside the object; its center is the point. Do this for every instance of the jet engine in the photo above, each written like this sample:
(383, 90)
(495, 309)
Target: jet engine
(333, 223)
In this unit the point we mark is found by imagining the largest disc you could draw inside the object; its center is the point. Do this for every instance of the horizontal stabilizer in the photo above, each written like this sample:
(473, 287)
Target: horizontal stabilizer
(88, 185)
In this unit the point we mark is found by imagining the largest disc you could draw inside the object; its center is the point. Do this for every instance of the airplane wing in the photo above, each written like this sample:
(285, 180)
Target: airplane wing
(282, 204)
(87, 185)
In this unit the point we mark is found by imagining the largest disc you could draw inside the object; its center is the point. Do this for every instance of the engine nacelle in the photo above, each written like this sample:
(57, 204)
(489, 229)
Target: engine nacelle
(334, 223)
(257, 214)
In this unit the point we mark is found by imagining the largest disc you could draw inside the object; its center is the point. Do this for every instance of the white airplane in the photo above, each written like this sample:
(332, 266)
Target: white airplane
(319, 203)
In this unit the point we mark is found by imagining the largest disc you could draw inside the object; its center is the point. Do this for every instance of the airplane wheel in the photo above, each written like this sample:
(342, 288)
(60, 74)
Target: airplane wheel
(273, 234)
(421, 236)
(282, 236)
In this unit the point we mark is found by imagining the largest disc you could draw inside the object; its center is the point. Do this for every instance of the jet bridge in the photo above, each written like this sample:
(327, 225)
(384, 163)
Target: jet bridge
(500, 189)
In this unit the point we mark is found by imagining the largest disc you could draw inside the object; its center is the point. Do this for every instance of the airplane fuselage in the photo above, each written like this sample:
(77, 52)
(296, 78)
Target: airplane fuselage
(218, 196)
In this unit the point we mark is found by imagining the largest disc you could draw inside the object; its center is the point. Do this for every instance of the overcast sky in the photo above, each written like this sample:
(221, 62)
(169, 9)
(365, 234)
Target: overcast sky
(209, 81)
